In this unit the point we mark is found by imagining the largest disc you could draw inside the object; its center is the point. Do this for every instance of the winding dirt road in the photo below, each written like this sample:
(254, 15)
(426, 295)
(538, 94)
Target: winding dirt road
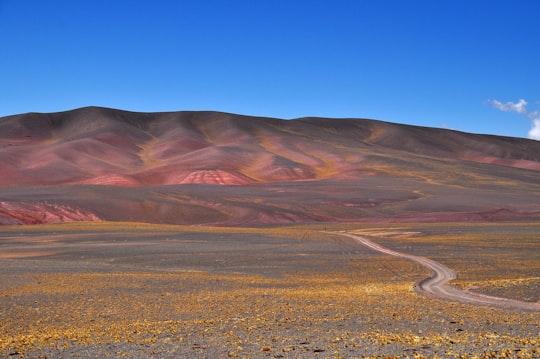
(435, 285)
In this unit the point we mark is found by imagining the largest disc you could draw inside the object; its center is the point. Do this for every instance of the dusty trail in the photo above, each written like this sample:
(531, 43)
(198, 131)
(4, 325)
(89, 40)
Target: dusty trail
(435, 285)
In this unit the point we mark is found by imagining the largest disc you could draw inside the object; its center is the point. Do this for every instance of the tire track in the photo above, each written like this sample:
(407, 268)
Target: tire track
(435, 285)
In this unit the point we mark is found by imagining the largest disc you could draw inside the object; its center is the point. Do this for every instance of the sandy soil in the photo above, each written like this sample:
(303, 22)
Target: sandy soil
(142, 291)
(436, 284)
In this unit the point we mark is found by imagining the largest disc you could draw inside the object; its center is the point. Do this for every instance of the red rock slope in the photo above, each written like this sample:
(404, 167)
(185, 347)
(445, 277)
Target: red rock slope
(218, 168)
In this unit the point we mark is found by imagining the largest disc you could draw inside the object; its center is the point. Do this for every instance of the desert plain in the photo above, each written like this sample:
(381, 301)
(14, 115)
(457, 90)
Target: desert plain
(209, 235)
(140, 291)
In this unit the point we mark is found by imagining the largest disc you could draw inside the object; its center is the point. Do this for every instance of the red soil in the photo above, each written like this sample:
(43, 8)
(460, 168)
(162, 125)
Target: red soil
(32, 213)
(160, 164)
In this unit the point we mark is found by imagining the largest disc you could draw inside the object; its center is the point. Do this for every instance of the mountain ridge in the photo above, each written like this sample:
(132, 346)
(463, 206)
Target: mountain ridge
(174, 151)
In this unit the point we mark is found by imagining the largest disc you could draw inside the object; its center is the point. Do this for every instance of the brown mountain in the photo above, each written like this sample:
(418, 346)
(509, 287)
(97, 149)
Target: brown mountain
(217, 168)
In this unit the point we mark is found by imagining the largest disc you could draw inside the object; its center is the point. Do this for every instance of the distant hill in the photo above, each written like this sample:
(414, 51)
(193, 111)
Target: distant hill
(218, 168)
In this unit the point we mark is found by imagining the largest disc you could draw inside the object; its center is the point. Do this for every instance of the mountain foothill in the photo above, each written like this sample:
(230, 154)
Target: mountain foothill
(213, 168)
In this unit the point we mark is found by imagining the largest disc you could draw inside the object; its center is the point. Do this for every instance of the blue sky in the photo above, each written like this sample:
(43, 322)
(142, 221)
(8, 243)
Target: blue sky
(439, 63)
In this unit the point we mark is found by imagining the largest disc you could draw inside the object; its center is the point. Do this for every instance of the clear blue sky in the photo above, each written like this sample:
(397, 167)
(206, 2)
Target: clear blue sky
(438, 63)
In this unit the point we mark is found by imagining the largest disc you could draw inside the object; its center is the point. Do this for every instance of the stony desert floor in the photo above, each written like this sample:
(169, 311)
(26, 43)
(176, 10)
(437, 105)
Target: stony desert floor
(95, 290)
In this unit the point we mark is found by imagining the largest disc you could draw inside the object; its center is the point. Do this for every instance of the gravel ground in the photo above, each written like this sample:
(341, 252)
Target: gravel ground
(151, 292)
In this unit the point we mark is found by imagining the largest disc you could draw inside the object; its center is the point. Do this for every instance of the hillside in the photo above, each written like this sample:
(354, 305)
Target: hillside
(216, 168)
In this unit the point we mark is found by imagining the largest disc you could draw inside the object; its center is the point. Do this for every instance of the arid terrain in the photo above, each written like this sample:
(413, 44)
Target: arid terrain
(139, 291)
(214, 168)
(212, 235)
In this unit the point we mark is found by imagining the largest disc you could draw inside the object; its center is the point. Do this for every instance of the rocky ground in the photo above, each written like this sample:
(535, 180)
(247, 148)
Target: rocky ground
(142, 291)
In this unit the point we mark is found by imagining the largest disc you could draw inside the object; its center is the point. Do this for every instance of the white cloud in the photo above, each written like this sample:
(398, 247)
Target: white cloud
(520, 107)
(534, 133)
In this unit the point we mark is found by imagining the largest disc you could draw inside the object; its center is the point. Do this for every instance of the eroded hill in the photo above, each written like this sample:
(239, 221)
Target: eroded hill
(217, 168)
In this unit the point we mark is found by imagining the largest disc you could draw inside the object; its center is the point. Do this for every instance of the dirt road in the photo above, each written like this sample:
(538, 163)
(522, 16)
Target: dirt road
(435, 285)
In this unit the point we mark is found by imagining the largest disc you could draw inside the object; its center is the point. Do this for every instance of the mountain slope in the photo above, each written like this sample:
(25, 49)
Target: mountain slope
(218, 168)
